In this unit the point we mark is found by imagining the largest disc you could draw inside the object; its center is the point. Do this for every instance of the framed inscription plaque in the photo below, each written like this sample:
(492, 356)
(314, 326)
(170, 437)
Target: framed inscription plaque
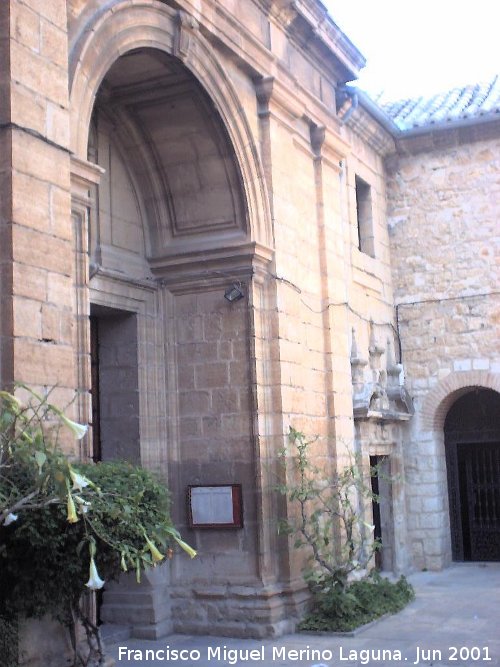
(215, 506)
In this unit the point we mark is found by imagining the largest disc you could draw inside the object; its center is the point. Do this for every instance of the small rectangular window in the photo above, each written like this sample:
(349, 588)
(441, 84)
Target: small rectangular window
(364, 213)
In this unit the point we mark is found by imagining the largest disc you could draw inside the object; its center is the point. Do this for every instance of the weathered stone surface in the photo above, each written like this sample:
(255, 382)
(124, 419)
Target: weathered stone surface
(148, 164)
(443, 225)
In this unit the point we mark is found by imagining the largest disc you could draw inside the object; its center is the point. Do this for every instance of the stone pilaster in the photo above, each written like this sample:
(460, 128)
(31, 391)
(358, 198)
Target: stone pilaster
(36, 255)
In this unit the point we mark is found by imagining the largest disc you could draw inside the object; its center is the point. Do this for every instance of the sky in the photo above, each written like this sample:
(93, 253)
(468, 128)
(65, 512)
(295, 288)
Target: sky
(421, 47)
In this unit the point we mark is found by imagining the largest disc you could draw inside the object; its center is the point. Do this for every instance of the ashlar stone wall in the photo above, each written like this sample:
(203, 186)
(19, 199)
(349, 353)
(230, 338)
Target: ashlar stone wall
(37, 252)
(443, 209)
(206, 149)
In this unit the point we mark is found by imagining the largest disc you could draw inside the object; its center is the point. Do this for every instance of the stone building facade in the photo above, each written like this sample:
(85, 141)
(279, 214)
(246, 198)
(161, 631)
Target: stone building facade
(443, 225)
(155, 155)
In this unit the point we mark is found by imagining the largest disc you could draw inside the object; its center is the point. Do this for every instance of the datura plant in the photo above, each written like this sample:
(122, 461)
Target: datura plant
(68, 527)
(326, 507)
(327, 514)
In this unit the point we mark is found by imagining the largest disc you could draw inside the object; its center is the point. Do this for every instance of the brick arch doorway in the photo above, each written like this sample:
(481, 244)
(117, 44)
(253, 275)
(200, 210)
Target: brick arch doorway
(472, 446)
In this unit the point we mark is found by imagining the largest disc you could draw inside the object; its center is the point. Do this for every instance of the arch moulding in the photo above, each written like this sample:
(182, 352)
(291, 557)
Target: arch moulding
(134, 24)
(439, 400)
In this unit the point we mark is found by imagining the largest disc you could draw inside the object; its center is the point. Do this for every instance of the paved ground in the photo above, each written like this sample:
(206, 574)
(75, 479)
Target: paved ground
(455, 620)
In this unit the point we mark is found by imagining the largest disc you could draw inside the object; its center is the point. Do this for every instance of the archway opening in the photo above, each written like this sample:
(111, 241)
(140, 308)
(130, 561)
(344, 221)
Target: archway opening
(171, 184)
(472, 444)
(168, 234)
(170, 197)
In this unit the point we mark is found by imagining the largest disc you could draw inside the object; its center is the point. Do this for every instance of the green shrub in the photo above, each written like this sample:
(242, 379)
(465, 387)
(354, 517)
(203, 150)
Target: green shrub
(342, 610)
(45, 559)
(65, 525)
(8, 643)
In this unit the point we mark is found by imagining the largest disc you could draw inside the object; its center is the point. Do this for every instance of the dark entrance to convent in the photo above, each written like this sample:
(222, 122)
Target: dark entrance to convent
(472, 441)
(115, 394)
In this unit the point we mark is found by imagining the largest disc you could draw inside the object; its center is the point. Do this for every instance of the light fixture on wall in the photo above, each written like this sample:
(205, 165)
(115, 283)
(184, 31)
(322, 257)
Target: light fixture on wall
(233, 293)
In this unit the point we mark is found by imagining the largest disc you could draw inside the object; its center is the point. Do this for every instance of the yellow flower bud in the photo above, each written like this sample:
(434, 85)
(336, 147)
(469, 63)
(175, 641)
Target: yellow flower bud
(156, 555)
(183, 545)
(72, 517)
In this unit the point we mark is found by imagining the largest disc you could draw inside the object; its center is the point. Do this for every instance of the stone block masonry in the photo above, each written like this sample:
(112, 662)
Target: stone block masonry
(152, 154)
(443, 207)
(37, 238)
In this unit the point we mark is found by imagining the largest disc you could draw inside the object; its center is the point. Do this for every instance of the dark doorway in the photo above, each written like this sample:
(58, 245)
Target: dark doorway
(472, 442)
(115, 385)
(95, 389)
(382, 512)
(115, 392)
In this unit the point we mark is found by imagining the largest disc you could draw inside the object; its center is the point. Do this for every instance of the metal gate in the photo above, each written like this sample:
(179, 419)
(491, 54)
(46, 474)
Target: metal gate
(472, 440)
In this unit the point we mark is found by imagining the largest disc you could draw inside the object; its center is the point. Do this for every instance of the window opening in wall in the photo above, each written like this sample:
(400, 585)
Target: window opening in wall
(364, 213)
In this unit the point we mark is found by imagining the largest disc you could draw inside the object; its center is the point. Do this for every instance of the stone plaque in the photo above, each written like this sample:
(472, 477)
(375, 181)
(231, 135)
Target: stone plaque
(217, 506)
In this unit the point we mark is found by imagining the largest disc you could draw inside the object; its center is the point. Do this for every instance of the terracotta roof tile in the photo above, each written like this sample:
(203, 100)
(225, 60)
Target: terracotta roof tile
(458, 104)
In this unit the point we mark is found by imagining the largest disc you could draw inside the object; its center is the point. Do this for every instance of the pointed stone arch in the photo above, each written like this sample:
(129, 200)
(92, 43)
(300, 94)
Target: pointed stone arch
(134, 24)
(440, 399)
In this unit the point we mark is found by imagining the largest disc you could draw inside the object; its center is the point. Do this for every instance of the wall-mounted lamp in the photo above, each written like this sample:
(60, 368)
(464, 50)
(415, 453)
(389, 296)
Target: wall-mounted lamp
(233, 293)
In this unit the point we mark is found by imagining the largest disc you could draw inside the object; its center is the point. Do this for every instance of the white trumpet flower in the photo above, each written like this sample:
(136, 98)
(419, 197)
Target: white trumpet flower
(79, 481)
(79, 430)
(95, 582)
(10, 518)
(370, 526)
(83, 505)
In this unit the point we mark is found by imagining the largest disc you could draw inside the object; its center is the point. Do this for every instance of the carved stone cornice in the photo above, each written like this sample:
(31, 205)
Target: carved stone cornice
(183, 271)
(368, 129)
(84, 176)
(310, 24)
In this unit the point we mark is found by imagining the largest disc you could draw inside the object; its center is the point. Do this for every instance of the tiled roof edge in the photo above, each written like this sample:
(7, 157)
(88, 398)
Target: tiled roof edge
(377, 112)
(450, 120)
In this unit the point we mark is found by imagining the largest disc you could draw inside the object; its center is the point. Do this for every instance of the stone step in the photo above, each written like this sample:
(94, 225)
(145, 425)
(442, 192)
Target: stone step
(112, 633)
(126, 614)
(156, 631)
(127, 597)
